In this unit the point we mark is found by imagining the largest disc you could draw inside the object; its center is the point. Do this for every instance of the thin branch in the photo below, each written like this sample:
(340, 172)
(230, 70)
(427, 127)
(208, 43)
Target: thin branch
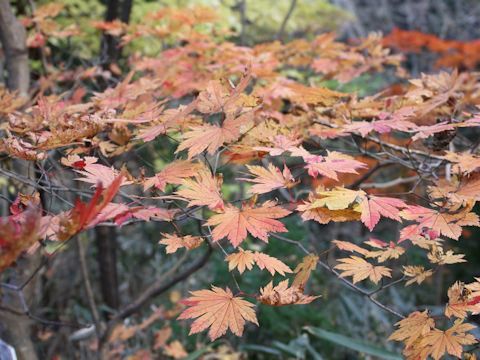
(281, 30)
(388, 184)
(337, 275)
(86, 283)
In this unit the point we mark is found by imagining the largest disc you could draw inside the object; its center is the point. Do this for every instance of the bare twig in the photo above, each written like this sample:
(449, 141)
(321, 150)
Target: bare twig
(86, 283)
(337, 275)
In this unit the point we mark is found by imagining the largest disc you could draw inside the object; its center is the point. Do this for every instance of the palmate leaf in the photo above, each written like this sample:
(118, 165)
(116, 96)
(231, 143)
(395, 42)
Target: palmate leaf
(257, 220)
(204, 190)
(360, 269)
(244, 259)
(218, 310)
(268, 179)
(174, 242)
(451, 340)
(173, 173)
(282, 295)
(211, 137)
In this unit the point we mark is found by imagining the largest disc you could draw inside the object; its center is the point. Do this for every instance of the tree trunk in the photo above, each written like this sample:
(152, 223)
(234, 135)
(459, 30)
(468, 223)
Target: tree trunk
(13, 328)
(106, 239)
(13, 37)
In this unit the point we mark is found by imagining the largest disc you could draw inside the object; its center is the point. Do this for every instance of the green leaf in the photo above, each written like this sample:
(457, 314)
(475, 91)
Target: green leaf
(261, 348)
(352, 344)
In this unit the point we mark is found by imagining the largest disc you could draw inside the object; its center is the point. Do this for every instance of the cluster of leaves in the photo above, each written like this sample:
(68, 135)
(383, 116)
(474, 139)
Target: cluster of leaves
(241, 113)
(452, 53)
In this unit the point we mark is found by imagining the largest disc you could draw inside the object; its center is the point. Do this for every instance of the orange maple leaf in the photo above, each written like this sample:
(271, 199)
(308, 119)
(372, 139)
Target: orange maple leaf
(212, 137)
(282, 295)
(245, 259)
(175, 242)
(258, 221)
(204, 190)
(173, 173)
(417, 325)
(219, 310)
(216, 97)
(268, 179)
(314, 95)
(360, 269)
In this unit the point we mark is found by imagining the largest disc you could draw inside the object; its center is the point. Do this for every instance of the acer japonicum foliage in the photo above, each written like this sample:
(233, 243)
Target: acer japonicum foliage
(452, 53)
(296, 151)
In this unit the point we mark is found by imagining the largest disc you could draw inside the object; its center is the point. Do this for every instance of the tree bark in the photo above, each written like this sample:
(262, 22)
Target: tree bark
(13, 37)
(106, 239)
(16, 329)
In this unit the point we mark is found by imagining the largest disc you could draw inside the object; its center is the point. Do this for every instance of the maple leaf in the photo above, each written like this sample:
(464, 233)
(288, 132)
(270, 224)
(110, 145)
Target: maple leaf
(240, 260)
(450, 340)
(204, 190)
(216, 98)
(323, 215)
(18, 232)
(96, 172)
(218, 310)
(335, 162)
(314, 95)
(174, 242)
(438, 256)
(258, 221)
(282, 295)
(360, 269)
(83, 216)
(348, 246)
(337, 199)
(463, 163)
(245, 259)
(461, 300)
(212, 137)
(303, 270)
(269, 179)
(417, 273)
(374, 206)
(173, 173)
(439, 221)
(387, 251)
(271, 263)
(417, 325)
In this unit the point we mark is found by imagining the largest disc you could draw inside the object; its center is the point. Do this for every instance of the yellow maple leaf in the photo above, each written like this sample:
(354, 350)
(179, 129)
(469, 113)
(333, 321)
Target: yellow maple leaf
(417, 325)
(417, 273)
(303, 270)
